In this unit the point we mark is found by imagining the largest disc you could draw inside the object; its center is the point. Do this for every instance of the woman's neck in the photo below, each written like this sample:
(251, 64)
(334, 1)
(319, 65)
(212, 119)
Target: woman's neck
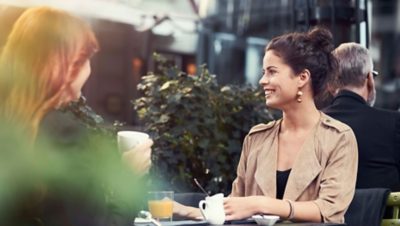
(303, 116)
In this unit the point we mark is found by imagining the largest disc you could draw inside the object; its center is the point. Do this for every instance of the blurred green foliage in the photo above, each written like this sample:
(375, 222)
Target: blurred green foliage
(43, 184)
(197, 125)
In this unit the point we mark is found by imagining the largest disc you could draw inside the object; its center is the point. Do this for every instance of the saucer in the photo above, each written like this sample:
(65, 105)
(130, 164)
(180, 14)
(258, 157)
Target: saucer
(265, 220)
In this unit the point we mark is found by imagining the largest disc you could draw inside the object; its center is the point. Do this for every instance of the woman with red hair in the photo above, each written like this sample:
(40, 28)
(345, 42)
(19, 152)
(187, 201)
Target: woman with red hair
(44, 65)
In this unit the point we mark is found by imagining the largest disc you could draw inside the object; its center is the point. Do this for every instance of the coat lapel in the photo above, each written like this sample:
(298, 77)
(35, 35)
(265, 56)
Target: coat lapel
(305, 169)
(265, 175)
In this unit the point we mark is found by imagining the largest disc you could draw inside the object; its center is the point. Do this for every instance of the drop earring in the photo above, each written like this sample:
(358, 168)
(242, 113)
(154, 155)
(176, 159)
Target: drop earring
(298, 96)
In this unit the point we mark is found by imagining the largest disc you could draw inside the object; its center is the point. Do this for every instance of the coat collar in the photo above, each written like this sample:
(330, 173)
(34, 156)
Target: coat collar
(305, 169)
(347, 94)
(265, 175)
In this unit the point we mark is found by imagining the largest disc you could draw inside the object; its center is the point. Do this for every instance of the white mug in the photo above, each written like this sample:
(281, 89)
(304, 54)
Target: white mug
(212, 209)
(129, 139)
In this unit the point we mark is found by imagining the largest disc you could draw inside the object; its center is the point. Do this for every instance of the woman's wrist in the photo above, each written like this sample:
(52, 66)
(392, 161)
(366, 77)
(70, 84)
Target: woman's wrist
(267, 205)
(291, 209)
(261, 204)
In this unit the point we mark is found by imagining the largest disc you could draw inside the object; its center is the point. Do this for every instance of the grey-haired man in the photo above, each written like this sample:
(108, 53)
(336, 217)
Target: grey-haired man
(377, 131)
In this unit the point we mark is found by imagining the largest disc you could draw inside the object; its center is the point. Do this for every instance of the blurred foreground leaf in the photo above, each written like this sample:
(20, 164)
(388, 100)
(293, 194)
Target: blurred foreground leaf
(45, 183)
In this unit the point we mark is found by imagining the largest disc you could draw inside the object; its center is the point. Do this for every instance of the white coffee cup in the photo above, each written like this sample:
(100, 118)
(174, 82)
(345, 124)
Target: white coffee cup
(130, 139)
(212, 209)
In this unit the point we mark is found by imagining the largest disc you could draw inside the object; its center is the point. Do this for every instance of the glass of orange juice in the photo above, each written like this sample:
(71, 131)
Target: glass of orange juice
(161, 205)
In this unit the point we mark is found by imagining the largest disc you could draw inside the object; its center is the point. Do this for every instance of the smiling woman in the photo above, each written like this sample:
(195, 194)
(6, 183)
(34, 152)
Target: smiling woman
(301, 167)
(279, 90)
(294, 150)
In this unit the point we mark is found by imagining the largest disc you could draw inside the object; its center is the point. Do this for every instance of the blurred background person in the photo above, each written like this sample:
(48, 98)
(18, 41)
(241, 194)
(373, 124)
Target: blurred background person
(43, 66)
(377, 130)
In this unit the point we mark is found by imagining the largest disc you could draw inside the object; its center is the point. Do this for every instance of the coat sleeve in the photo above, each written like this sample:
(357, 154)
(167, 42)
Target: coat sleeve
(397, 137)
(238, 186)
(338, 181)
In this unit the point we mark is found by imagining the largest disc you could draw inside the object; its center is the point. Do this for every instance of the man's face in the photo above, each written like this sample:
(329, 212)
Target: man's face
(371, 97)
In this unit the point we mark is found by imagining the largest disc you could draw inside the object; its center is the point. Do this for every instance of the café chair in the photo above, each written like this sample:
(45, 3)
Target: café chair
(367, 207)
(393, 205)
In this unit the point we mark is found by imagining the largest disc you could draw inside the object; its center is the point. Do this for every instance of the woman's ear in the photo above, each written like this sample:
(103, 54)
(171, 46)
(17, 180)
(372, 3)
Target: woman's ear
(303, 78)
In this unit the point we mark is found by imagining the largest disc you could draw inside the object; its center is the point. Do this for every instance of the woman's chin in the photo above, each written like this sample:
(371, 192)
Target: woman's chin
(75, 98)
(270, 104)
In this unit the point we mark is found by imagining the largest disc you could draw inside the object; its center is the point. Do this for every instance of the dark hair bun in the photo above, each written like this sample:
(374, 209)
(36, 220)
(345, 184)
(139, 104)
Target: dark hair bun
(322, 39)
(308, 50)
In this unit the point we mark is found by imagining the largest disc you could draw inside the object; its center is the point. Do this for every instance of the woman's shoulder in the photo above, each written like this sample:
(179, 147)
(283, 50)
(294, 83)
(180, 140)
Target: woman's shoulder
(336, 125)
(332, 132)
(262, 127)
(62, 128)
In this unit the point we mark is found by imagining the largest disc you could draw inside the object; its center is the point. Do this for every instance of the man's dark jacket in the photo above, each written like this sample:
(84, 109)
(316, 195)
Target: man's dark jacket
(378, 137)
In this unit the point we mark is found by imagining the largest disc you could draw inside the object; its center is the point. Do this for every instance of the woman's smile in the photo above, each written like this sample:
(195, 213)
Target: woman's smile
(268, 92)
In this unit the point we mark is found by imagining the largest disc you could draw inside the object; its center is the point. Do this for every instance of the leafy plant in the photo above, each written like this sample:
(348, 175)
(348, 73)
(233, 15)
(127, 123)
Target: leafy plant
(197, 125)
(84, 183)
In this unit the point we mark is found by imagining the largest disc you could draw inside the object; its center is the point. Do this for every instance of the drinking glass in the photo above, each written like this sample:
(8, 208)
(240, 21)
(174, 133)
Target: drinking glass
(161, 205)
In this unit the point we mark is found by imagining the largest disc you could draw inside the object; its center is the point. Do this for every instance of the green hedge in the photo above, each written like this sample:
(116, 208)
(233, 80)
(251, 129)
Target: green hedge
(197, 125)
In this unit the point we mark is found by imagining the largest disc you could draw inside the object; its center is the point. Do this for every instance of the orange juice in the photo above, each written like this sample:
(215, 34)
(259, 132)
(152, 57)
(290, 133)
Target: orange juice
(161, 208)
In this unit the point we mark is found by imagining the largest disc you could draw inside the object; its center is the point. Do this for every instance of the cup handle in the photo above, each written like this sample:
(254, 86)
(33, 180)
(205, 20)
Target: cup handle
(203, 207)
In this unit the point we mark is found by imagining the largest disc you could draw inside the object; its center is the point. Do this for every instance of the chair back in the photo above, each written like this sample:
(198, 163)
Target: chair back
(393, 209)
(367, 207)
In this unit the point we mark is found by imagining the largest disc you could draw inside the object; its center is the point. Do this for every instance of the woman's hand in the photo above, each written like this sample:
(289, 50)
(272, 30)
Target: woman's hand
(238, 208)
(139, 158)
(187, 211)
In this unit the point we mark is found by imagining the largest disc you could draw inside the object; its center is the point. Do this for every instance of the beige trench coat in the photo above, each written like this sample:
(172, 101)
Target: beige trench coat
(324, 172)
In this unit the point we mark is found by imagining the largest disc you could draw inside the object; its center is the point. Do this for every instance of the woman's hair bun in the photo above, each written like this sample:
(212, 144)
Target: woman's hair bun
(322, 38)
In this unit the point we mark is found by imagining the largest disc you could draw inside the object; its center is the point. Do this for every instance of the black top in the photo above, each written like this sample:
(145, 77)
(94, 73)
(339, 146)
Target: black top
(66, 133)
(378, 138)
(281, 181)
